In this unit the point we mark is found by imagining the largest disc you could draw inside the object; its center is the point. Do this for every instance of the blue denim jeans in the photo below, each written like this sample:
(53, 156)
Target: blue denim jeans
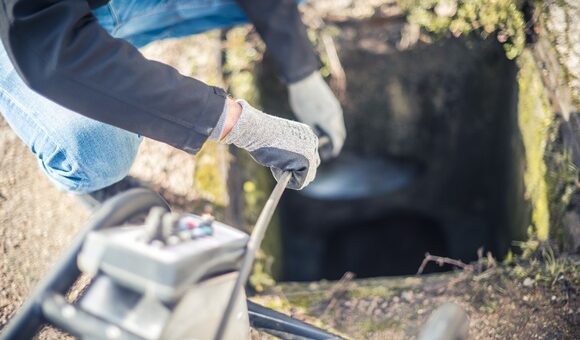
(82, 155)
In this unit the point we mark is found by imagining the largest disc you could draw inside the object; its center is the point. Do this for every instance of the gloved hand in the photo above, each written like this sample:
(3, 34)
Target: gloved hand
(280, 144)
(314, 103)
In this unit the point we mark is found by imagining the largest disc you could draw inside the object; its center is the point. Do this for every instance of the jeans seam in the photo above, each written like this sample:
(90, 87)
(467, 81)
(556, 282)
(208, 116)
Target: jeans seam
(57, 145)
(115, 16)
(157, 12)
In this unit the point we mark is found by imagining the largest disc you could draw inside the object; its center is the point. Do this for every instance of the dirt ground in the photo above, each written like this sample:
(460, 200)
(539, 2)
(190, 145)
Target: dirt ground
(37, 222)
(500, 302)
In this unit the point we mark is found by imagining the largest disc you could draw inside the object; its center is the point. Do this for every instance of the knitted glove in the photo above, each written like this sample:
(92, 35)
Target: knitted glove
(314, 103)
(280, 144)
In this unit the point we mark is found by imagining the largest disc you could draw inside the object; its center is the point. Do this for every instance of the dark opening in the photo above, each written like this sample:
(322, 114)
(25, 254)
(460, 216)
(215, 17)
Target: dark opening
(392, 245)
(448, 109)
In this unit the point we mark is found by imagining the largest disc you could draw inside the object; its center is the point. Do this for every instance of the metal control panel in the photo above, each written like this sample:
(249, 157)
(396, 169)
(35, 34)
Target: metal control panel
(166, 255)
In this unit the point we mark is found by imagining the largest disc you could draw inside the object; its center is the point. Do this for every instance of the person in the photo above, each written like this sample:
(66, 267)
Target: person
(76, 90)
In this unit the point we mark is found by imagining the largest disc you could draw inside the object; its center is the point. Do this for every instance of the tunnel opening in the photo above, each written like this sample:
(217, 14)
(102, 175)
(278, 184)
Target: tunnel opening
(393, 244)
(442, 119)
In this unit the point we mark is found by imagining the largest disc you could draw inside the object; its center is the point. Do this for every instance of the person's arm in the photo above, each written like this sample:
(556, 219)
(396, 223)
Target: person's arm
(61, 52)
(313, 102)
(279, 24)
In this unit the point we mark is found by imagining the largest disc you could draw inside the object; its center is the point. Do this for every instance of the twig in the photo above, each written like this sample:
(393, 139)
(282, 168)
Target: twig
(479, 257)
(336, 70)
(338, 77)
(339, 286)
(462, 276)
(484, 275)
(440, 261)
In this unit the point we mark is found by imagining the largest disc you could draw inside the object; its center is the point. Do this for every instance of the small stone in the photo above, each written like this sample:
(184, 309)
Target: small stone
(407, 296)
(446, 8)
(528, 282)
(363, 304)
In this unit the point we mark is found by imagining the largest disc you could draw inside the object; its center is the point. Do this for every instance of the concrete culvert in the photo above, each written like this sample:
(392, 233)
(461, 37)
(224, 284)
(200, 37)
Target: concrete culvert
(433, 161)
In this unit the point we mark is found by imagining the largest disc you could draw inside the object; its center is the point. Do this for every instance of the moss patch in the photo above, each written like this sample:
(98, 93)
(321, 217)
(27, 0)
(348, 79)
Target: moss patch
(211, 168)
(212, 161)
(461, 18)
(535, 119)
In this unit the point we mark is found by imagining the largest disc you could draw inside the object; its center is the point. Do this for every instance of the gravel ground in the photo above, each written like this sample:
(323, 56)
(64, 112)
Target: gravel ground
(37, 222)
(514, 302)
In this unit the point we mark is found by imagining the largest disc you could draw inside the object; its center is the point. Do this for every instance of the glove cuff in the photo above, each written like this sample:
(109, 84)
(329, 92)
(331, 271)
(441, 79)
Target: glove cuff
(241, 133)
(313, 78)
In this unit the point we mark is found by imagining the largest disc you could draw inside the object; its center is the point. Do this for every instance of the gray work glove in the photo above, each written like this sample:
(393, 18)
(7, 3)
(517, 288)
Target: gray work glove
(314, 103)
(280, 144)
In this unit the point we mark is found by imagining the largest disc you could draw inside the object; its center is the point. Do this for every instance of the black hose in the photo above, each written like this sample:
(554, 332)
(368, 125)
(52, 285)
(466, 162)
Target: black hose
(284, 326)
(125, 206)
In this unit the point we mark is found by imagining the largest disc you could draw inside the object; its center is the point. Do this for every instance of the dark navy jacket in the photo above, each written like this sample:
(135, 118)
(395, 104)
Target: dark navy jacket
(61, 52)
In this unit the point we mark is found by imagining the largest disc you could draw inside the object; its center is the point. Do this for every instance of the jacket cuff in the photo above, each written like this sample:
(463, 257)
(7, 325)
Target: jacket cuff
(300, 74)
(289, 73)
(207, 120)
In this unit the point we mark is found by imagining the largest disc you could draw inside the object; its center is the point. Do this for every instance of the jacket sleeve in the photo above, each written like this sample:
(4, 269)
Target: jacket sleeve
(279, 24)
(61, 52)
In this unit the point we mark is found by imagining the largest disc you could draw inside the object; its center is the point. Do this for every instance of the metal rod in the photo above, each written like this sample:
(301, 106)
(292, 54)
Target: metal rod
(80, 323)
(252, 248)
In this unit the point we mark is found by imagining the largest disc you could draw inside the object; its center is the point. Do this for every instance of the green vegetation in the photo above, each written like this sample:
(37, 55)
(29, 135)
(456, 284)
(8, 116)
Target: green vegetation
(211, 173)
(563, 178)
(373, 291)
(550, 177)
(535, 117)
(370, 326)
(546, 267)
(241, 56)
(461, 18)
(308, 299)
(212, 163)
